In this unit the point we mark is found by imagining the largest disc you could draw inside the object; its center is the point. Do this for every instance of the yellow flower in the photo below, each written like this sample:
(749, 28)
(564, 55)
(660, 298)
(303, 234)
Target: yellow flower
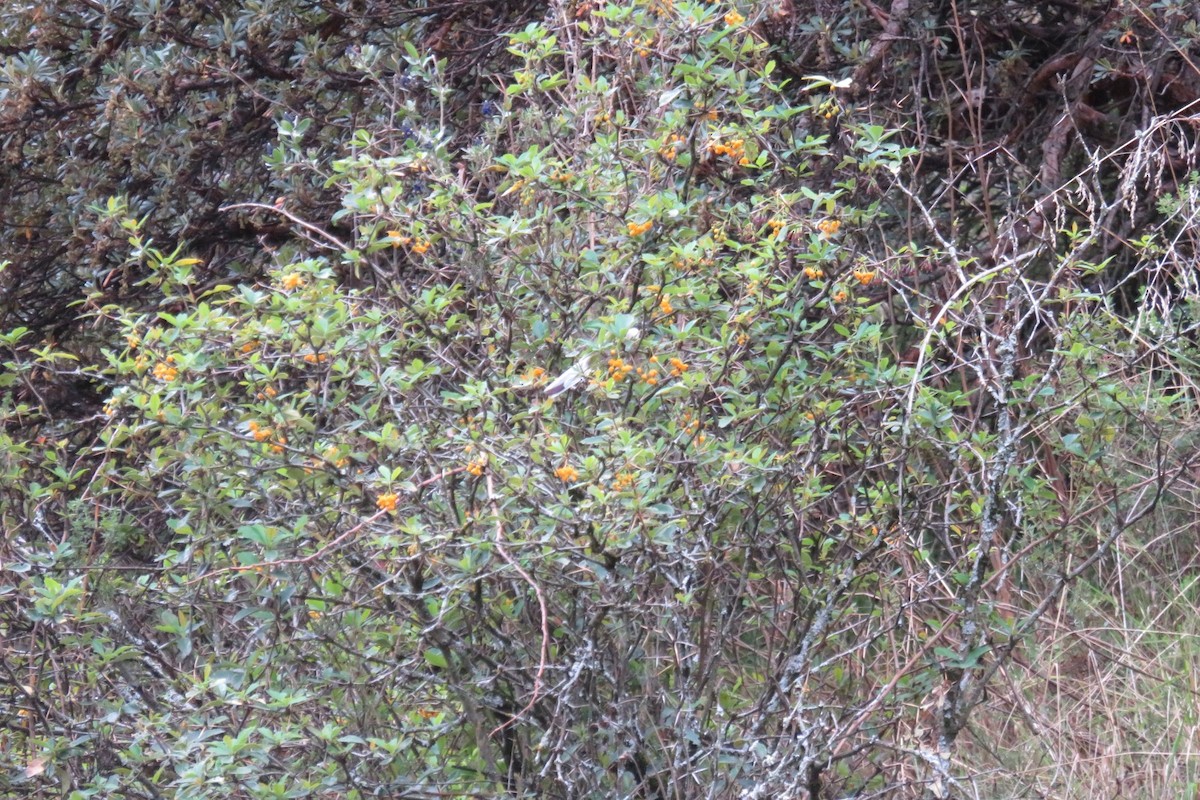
(567, 474)
(864, 276)
(387, 502)
(293, 280)
(733, 19)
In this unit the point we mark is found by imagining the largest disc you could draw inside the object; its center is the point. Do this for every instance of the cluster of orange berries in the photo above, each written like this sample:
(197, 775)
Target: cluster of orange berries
(691, 425)
(735, 149)
(664, 305)
(259, 433)
(865, 277)
(315, 358)
(164, 371)
(266, 393)
(623, 481)
(341, 462)
(670, 147)
(262, 434)
(418, 246)
(692, 264)
(567, 474)
(638, 228)
(828, 227)
(643, 45)
(475, 465)
(618, 368)
(776, 226)
(814, 273)
(387, 502)
(733, 18)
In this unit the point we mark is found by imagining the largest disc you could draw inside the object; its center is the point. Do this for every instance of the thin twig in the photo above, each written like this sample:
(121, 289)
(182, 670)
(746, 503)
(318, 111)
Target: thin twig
(262, 565)
(308, 226)
(543, 656)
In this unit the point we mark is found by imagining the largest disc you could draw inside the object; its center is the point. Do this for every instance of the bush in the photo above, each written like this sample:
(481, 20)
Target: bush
(800, 524)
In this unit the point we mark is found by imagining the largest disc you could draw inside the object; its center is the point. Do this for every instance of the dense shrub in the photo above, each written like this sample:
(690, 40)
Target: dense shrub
(820, 517)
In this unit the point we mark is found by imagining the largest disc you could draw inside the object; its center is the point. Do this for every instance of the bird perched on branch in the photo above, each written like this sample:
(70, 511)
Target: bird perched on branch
(570, 378)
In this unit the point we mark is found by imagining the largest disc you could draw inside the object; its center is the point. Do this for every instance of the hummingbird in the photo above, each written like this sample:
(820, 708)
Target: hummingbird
(569, 379)
(577, 372)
